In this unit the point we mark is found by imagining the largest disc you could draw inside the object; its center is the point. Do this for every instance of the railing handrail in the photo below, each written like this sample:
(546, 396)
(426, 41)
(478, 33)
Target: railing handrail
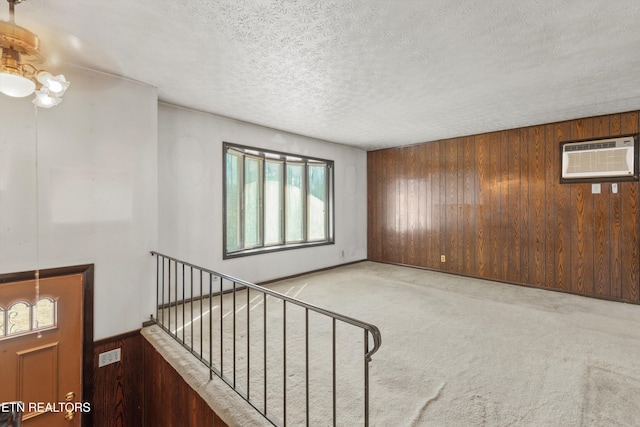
(372, 329)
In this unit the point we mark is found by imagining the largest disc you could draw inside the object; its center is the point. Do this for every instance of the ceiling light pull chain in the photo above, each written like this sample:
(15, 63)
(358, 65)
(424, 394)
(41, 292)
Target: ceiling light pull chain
(37, 274)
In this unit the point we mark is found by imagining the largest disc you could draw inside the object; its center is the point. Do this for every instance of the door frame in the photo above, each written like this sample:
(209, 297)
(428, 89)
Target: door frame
(87, 272)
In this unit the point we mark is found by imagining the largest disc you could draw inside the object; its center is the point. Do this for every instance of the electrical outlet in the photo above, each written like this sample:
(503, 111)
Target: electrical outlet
(443, 258)
(108, 357)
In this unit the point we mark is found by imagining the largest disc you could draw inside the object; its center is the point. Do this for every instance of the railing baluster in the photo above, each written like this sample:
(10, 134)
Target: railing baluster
(184, 301)
(211, 326)
(366, 378)
(284, 361)
(157, 288)
(163, 303)
(306, 362)
(191, 305)
(201, 318)
(234, 334)
(175, 294)
(248, 342)
(221, 332)
(264, 343)
(169, 305)
(333, 347)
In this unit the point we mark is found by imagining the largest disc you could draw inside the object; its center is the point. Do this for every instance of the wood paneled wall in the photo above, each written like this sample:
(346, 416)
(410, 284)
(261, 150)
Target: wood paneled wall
(169, 400)
(118, 389)
(492, 204)
(143, 389)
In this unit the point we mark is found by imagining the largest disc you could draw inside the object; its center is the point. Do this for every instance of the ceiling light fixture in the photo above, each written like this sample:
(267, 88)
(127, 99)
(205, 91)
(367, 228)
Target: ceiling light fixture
(18, 76)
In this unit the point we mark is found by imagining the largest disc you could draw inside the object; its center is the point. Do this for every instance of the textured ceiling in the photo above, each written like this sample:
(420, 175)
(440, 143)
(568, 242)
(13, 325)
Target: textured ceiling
(367, 73)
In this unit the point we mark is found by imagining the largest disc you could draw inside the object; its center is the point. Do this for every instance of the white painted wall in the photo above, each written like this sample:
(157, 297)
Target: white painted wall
(98, 191)
(190, 195)
(120, 176)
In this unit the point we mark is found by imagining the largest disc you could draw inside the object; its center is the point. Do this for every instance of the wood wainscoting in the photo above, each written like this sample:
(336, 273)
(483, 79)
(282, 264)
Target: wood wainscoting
(118, 388)
(169, 400)
(143, 389)
(493, 206)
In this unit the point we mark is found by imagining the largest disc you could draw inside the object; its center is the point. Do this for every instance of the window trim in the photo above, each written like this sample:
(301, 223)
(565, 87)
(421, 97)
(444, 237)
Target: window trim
(267, 155)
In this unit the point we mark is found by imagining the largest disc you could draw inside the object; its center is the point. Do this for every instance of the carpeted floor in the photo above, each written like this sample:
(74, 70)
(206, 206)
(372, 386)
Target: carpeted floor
(455, 352)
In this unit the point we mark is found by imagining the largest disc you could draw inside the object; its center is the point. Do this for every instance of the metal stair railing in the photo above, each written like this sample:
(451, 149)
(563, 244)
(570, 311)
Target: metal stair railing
(185, 295)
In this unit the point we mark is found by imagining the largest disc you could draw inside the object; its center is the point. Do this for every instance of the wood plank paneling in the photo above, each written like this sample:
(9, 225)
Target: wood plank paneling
(388, 213)
(537, 195)
(551, 223)
(630, 229)
(425, 209)
(143, 389)
(615, 225)
(433, 215)
(582, 226)
(469, 205)
(169, 400)
(451, 203)
(493, 205)
(482, 189)
(373, 200)
(525, 245)
(504, 229)
(514, 206)
(601, 237)
(118, 388)
(439, 198)
(457, 258)
(564, 217)
(402, 165)
(493, 182)
(413, 206)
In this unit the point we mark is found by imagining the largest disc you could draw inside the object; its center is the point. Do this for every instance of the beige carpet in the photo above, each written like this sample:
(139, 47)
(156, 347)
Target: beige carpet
(455, 352)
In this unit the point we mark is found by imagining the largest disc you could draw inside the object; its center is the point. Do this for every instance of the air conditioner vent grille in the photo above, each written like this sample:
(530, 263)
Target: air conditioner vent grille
(599, 161)
(590, 146)
(613, 158)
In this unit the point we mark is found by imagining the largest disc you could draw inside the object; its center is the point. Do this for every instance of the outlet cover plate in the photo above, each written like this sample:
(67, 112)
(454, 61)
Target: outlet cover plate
(108, 357)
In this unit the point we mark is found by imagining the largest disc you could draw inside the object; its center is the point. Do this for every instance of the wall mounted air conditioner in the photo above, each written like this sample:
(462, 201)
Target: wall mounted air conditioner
(614, 159)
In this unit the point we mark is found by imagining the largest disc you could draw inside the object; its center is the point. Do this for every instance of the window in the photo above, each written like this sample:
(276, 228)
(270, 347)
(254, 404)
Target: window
(275, 201)
(22, 318)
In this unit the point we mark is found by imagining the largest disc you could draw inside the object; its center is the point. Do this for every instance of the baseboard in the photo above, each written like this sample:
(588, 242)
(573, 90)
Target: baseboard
(293, 276)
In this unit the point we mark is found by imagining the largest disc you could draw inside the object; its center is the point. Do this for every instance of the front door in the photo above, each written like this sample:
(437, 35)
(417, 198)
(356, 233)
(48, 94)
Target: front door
(41, 349)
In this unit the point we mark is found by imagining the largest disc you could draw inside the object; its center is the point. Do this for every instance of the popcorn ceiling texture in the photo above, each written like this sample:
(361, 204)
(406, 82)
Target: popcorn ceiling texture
(368, 73)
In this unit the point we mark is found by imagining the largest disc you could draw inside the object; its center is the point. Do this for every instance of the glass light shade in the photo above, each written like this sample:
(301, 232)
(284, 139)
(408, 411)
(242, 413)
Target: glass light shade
(44, 99)
(57, 85)
(16, 86)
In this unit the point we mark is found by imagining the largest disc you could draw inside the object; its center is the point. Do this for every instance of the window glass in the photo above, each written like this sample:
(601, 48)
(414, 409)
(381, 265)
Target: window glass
(295, 202)
(19, 316)
(44, 314)
(317, 202)
(252, 180)
(232, 183)
(273, 203)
